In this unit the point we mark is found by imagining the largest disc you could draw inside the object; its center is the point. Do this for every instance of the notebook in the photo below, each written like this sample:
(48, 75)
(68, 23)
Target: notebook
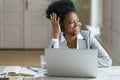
(17, 70)
(71, 62)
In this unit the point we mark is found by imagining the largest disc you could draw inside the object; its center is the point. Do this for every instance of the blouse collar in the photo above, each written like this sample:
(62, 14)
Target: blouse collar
(62, 38)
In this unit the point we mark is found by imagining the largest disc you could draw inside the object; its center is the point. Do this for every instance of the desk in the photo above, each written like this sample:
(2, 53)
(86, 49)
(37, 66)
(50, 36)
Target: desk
(112, 73)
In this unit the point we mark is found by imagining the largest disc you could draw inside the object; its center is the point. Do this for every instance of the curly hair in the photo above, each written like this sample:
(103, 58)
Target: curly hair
(61, 8)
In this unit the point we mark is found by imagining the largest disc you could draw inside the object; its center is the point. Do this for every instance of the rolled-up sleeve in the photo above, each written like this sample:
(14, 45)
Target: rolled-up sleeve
(54, 43)
(104, 59)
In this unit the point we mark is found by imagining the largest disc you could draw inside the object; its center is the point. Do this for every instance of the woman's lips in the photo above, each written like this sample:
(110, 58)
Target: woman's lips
(78, 29)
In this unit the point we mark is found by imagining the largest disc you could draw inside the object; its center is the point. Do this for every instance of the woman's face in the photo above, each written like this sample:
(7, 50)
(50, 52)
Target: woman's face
(72, 24)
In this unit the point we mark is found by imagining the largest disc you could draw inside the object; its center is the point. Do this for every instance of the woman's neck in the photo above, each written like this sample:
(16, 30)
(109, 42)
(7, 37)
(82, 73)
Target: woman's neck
(71, 41)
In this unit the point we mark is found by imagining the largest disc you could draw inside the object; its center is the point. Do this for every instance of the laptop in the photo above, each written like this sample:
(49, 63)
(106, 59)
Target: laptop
(71, 62)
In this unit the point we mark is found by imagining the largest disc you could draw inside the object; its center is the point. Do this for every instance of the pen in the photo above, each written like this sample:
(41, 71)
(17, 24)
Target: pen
(32, 69)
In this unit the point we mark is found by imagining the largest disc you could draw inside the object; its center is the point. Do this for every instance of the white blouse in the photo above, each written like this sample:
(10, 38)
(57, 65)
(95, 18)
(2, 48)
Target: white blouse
(85, 40)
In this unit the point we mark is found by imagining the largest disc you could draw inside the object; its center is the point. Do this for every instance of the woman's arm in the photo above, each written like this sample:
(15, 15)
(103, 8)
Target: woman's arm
(55, 25)
(104, 59)
(54, 43)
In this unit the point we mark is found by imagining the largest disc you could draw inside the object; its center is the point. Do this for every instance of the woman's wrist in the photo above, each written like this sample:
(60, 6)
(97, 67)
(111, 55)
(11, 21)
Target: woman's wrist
(56, 36)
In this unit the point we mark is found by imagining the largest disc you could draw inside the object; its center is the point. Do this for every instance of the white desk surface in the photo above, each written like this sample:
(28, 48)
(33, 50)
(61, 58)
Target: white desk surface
(112, 73)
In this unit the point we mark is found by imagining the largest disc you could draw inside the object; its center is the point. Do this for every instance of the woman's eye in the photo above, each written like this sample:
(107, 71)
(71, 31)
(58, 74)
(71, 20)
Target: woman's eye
(71, 22)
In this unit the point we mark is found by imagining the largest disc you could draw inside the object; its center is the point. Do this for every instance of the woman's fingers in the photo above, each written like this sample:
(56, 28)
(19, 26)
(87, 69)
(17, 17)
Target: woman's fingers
(58, 19)
(53, 17)
(50, 16)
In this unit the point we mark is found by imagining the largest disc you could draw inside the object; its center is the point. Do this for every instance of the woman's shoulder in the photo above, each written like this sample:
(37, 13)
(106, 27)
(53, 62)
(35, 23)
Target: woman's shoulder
(85, 32)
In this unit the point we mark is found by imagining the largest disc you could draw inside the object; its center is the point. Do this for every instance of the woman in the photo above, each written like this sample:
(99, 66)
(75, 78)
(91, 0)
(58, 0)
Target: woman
(67, 31)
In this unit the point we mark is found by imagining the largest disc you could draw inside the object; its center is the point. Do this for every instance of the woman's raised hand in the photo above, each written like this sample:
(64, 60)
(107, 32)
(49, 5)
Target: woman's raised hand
(55, 25)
